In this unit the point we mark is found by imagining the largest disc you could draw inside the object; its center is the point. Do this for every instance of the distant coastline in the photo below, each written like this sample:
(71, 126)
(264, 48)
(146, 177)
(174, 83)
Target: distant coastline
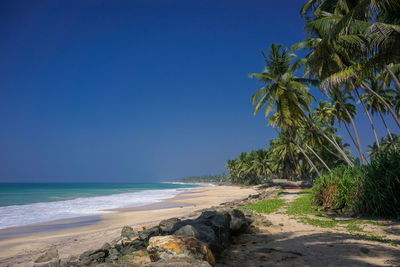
(215, 179)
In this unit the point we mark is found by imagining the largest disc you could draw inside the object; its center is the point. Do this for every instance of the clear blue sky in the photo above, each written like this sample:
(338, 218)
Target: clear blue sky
(133, 90)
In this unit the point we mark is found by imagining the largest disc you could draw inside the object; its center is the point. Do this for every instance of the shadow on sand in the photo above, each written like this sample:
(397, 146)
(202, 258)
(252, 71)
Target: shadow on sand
(310, 249)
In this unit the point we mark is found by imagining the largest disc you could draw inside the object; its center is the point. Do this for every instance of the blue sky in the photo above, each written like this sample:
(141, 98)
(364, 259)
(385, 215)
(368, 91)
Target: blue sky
(134, 90)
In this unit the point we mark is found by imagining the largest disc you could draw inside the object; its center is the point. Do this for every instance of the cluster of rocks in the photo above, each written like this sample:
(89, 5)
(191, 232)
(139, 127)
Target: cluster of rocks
(174, 242)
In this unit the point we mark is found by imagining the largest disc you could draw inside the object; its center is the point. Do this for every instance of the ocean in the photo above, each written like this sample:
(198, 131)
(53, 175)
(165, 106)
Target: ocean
(31, 203)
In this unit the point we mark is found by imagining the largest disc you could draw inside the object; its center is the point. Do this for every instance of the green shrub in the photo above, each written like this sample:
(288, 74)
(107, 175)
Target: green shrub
(339, 189)
(372, 190)
(381, 196)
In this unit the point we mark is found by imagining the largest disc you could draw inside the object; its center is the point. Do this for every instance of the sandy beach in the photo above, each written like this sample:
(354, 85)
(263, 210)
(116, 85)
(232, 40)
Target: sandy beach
(90, 233)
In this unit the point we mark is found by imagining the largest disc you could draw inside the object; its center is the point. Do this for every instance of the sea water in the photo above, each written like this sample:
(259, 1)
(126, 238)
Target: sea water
(31, 203)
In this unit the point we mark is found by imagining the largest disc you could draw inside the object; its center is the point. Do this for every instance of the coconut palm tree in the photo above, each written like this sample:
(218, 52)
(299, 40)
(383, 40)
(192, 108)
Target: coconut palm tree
(284, 93)
(373, 104)
(345, 112)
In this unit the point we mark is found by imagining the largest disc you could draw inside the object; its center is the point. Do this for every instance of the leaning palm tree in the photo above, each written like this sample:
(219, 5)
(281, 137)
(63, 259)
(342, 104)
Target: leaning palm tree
(373, 104)
(340, 45)
(283, 93)
(345, 111)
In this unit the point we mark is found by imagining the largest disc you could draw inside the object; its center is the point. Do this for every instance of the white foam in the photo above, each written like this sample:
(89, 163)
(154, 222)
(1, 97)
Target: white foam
(19, 215)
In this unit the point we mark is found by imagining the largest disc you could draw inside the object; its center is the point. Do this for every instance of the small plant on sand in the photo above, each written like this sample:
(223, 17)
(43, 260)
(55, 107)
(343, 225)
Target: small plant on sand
(303, 205)
(265, 206)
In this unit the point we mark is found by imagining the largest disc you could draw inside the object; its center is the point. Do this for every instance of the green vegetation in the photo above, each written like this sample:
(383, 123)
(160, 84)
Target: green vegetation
(303, 211)
(218, 178)
(351, 54)
(381, 186)
(302, 205)
(339, 189)
(265, 206)
(371, 190)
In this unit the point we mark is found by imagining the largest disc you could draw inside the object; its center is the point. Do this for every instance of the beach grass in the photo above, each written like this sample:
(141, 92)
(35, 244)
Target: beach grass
(303, 211)
(265, 206)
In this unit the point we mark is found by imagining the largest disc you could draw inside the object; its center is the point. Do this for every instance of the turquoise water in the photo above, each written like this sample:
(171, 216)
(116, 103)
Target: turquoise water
(26, 193)
(23, 204)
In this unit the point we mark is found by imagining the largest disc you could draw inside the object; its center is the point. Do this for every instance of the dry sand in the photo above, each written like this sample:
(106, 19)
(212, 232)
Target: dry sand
(288, 242)
(22, 250)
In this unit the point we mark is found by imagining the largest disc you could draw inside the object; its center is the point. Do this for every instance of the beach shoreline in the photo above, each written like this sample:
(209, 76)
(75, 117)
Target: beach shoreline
(71, 241)
(73, 222)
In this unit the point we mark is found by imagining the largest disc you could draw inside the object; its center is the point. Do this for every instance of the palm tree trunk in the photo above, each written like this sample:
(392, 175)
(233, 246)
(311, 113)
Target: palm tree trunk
(394, 78)
(307, 158)
(331, 152)
(318, 157)
(369, 117)
(351, 136)
(352, 139)
(389, 108)
(354, 129)
(384, 122)
(329, 140)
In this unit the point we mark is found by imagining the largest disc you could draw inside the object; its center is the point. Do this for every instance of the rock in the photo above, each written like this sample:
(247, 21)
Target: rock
(47, 256)
(128, 231)
(146, 234)
(238, 223)
(166, 225)
(55, 262)
(112, 255)
(211, 227)
(93, 256)
(133, 246)
(178, 263)
(106, 246)
(72, 261)
(173, 247)
(198, 231)
(123, 242)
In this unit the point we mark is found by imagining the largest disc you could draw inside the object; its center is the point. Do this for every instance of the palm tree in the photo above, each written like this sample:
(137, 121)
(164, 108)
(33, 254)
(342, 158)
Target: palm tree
(338, 42)
(345, 112)
(387, 145)
(284, 93)
(325, 112)
(373, 104)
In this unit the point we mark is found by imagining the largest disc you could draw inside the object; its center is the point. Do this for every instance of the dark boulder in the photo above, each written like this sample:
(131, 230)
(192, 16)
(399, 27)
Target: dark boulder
(146, 234)
(211, 227)
(166, 226)
(239, 223)
(93, 256)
